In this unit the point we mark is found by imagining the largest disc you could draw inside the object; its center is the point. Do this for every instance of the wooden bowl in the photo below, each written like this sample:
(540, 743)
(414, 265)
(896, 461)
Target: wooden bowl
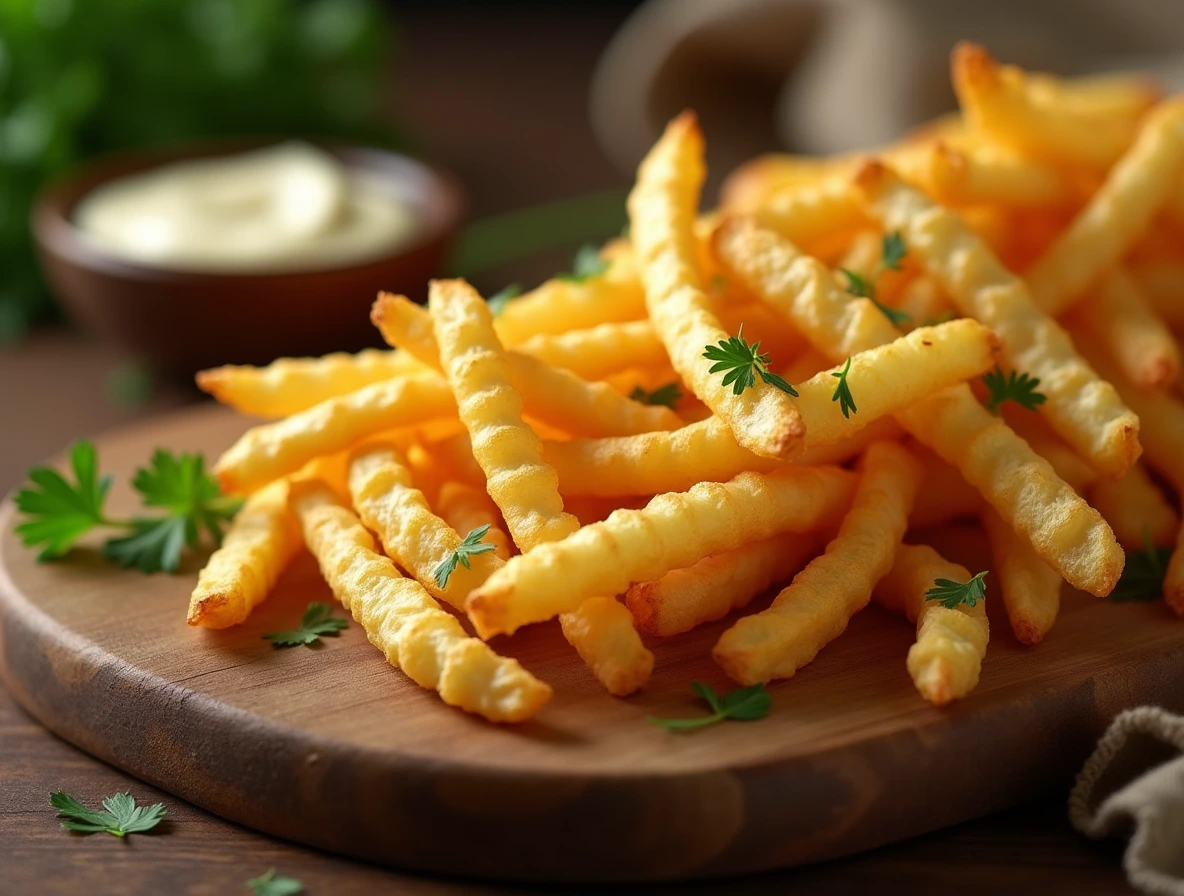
(182, 321)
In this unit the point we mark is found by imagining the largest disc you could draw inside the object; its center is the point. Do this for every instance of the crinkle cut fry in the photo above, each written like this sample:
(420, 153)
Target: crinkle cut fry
(1068, 534)
(672, 531)
(257, 547)
(1082, 407)
(816, 607)
(1136, 509)
(946, 660)
(1031, 589)
(662, 217)
(404, 622)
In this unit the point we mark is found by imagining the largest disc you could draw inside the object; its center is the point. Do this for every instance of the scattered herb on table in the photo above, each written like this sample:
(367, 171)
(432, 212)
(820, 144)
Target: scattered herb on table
(318, 621)
(952, 594)
(744, 363)
(892, 253)
(587, 265)
(667, 395)
(272, 884)
(740, 705)
(471, 546)
(59, 512)
(1142, 577)
(1014, 386)
(120, 816)
(843, 391)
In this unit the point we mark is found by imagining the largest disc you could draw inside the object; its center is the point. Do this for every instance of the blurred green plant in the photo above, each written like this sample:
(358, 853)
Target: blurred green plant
(80, 78)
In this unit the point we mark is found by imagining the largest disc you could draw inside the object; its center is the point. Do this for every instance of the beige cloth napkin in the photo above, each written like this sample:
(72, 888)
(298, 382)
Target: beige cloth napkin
(1134, 784)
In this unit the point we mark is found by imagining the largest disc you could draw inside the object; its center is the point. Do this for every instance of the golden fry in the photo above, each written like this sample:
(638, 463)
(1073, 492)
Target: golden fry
(946, 661)
(1136, 509)
(673, 531)
(599, 351)
(602, 632)
(466, 508)
(815, 609)
(944, 494)
(716, 585)
(255, 549)
(662, 214)
(405, 623)
(1084, 409)
(1161, 283)
(1031, 589)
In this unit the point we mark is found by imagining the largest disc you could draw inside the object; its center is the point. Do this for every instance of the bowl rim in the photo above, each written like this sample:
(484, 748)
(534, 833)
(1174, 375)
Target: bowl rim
(55, 232)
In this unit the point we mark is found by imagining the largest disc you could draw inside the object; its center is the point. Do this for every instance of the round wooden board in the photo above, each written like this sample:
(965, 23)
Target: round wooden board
(334, 748)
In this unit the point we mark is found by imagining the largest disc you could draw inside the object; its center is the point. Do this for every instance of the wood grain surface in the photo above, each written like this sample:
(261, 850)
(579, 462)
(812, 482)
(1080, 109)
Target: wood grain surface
(333, 748)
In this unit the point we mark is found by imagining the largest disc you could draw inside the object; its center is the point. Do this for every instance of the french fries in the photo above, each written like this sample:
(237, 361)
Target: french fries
(816, 607)
(465, 508)
(1136, 509)
(1031, 589)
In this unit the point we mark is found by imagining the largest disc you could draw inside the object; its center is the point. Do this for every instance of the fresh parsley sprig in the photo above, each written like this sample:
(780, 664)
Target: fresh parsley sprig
(667, 395)
(499, 300)
(587, 265)
(1015, 386)
(271, 884)
(892, 253)
(744, 363)
(741, 705)
(1142, 577)
(952, 594)
(120, 816)
(471, 546)
(59, 512)
(843, 392)
(318, 621)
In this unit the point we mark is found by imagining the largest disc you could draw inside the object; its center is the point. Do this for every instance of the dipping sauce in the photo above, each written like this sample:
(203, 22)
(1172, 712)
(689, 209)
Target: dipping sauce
(289, 207)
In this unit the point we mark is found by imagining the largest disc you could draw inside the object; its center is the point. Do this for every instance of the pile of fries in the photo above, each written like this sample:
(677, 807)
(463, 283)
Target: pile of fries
(579, 456)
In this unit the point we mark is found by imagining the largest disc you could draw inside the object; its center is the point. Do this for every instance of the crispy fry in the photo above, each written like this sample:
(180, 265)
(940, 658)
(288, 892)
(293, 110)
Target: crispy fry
(405, 623)
(1162, 285)
(673, 531)
(414, 537)
(1136, 509)
(465, 508)
(716, 585)
(255, 549)
(599, 351)
(815, 609)
(1069, 534)
(946, 661)
(1117, 214)
(602, 632)
(265, 453)
(452, 458)
(560, 305)
(1067, 463)
(1031, 589)
(661, 212)
(556, 396)
(1084, 409)
(1118, 317)
(944, 494)
(807, 214)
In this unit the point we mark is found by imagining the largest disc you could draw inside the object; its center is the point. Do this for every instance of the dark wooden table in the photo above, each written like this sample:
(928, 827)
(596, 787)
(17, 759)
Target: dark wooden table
(501, 100)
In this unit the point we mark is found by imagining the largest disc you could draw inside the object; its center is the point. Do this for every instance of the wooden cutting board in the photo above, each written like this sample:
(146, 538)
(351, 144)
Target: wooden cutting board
(334, 748)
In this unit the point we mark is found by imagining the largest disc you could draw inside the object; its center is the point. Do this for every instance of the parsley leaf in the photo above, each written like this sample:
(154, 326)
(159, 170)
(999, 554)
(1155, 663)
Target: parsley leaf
(858, 285)
(896, 318)
(121, 816)
(154, 545)
(892, 251)
(843, 391)
(471, 545)
(952, 593)
(743, 363)
(60, 512)
(318, 620)
(587, 265)
(667, 395)
(741, 705)
(1017, 387)
(181, 485)
(499, 300)
(272, 884)
(1142, 577)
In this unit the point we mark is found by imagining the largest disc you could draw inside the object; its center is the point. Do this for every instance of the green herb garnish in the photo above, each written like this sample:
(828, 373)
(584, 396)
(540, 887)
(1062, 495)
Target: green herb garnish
(471, 546)
(667, 395)
(120, 816)
(318, 621)
(499, 300)
(587, 265)
(1142, 577)
(952, 594)
(272, 884)
(744, 363)
(740, 705)
(892, 253)
(1017, 387)
(843, 391)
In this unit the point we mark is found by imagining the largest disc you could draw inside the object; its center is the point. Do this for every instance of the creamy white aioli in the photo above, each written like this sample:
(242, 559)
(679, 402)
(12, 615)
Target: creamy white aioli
(288, 207)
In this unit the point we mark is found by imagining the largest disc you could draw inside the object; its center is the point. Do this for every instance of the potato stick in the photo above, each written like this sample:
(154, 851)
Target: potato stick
(403, 621)
(1035, 116)
(1031, 589)
(674, 530)
(716, 585)
(291, 385)
(602, 632)
(560, 305)
(1116, 215)
(267, 452)
(453, 457)
(1034, 430)
(1162, 285)
(1173, 582)
(1119, 318)
(816, 607)
(1084, 409)
(807, 214)
(556, 396)
(1070, 535)
(1136, 509)
(465, 508)
(661, 212)
(419, 541)
(946, 660)
(924, 302)
(508, 451)
(428, 474)
(944, 494)
(599, 351)
(1161, 413)
(255, 549)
